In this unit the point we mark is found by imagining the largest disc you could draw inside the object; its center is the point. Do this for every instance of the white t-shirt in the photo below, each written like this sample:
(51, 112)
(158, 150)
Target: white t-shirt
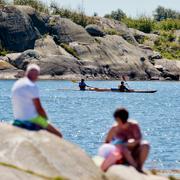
(23, 93)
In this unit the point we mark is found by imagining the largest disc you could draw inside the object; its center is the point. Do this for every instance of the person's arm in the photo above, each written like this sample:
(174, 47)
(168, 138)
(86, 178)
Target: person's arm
(40, 110)
(137, 136)
(110, 135)
(126, 89)
(87, 85)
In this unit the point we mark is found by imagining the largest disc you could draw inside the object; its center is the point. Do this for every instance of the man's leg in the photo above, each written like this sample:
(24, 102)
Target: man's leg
(141, 154)
(128, 157)
(50, 128)
(42, 122)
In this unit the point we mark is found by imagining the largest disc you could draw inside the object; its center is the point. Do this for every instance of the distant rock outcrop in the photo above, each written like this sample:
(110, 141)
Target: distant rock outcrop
(65, 31)
(17, 30)
(117, 27)
(141, 36)
(106, 49)
(116, 57)
(170, 69)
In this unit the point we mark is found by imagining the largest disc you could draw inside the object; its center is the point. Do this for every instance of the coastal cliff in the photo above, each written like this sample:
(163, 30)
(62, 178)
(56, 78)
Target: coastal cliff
(66, 50)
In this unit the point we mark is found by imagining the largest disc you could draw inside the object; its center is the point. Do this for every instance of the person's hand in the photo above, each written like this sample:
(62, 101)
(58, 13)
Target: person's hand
(132, 143)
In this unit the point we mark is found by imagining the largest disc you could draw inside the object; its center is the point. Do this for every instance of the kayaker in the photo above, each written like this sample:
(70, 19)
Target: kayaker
(82, 85)
(27, 108)
(122, 87)
(135, 151)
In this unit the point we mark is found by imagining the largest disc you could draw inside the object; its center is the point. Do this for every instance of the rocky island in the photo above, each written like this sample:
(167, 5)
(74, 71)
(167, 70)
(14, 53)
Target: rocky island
(106, 49)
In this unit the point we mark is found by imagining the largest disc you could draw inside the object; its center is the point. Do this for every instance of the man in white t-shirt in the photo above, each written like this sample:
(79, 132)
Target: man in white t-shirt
(27, 108)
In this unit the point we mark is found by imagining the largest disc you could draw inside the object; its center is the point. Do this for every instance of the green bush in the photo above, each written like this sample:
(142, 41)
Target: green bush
(111, 31)
(36, 4)
(162, 13)
(167, 46)
(116, 15)
(77, 17)
(144, 24)
(3, 2)
(3, 52)
(70, 50)
(168, 24)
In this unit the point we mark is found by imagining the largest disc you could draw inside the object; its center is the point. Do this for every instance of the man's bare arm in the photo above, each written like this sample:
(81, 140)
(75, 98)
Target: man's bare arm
(136, 137)
(110, 135)
(39, 108)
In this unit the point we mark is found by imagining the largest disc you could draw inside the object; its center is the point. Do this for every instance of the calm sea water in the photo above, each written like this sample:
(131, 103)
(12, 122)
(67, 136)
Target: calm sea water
(85, 117)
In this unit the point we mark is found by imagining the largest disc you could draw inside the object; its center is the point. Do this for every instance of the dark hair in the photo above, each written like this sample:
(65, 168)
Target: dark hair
(122, 82)
(82, 80)
(121, 113)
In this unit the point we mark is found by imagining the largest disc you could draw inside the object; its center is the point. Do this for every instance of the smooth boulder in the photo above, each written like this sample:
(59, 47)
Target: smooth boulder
(65, 31)
(170, 68)
(43, 154)
(46, 46)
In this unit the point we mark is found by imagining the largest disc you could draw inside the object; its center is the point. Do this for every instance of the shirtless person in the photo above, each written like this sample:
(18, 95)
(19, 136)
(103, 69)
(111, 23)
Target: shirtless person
(128, 132)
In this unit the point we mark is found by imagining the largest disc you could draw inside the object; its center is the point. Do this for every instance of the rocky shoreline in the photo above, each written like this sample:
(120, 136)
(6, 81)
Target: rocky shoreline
(65, 50)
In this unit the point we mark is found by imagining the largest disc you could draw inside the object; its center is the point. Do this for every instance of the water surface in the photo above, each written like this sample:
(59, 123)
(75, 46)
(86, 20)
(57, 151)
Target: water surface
(85, 117)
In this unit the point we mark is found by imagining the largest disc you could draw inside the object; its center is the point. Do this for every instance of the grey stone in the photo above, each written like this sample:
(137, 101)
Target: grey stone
(44, 154)
(65, 31)
(119, 27)
(127, 173)
(17, 30)
(94, 30)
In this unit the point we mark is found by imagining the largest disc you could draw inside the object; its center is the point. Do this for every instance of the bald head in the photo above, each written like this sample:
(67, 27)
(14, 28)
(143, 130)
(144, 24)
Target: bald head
(32, 72)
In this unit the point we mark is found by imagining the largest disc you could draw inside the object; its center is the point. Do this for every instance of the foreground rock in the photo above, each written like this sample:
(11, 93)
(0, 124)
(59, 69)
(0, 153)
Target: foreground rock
(128, 173)
(41, 155)
(44, 154)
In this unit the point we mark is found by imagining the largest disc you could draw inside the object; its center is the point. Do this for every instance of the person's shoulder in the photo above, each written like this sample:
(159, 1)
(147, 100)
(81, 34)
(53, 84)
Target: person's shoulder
(113, 128)
(27, 82)
(114, 125)
(133, 122)
(19, 83)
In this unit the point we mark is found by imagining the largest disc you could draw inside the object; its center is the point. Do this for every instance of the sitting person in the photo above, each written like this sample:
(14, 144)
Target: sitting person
(122, 87)
(27, 108)
(82, 85)
(127, 140)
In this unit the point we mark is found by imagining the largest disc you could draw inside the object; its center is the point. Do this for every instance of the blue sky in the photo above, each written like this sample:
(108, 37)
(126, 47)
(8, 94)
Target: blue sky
(131, 7)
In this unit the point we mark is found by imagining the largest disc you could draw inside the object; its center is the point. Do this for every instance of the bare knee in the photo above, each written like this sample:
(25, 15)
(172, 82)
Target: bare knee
(145, 146)
(124, 150)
